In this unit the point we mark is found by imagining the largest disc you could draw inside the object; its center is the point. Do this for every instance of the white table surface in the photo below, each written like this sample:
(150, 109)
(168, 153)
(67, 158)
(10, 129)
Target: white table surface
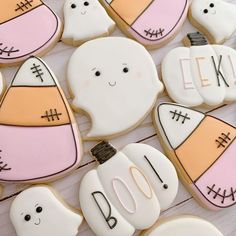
(68, 187)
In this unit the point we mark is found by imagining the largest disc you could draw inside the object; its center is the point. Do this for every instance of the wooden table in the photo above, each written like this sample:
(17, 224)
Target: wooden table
(69, 186)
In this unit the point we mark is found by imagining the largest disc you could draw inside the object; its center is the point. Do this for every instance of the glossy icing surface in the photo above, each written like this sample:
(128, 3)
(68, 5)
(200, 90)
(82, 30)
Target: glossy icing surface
(85, 20)
(108, 89)
(147, 20)
(38, 211)
(204, 153)
(40, 138)
(29, 30)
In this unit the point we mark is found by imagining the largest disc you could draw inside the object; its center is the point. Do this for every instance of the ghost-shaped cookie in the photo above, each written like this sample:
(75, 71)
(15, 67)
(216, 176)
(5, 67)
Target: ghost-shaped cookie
(38, 211)
(114, 80)
(85, 20)
(215, 18)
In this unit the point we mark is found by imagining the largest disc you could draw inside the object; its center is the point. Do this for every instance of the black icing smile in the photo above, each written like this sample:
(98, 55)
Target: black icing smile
(38, 223)
(112, 84)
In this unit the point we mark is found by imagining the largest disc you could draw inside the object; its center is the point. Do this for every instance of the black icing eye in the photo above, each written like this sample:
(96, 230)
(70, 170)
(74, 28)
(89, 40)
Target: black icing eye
(212, 5)
(97, 73)
(39, 209)
(27, 217)
(126, 70)
(165, 186)
(73, 6)
(86, 3)
(205, 11)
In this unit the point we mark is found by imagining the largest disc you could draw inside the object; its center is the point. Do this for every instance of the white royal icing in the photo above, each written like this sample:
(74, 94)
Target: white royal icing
(195, 81)
(125, 88)
(184, 226)
(55, 218)
(125, 193)
(216, 16)
(85, 20)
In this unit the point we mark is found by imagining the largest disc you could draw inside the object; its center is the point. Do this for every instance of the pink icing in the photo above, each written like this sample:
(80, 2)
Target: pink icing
(37, 153)
(30, 33)
(222, 175)
(161, 14)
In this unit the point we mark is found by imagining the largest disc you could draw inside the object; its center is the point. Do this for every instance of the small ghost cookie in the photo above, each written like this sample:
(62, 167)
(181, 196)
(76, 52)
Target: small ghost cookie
(204, 74)
(114, 80)
(27, 27)
(39, 211)
(85, 20)
(152, 23)
(183, 226)
(40, 140)
(215, 18)
(127, 190)
(202, 148)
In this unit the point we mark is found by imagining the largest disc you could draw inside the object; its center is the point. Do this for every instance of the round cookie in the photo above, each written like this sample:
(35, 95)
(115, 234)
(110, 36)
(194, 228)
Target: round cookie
(183, 226)
(127, 185)
(39, 211)
(40, 140)
(113, 80)
(204, 74)
(85, 20)
(215, 18)
(202, 148)
(152, 23)
(27, 27)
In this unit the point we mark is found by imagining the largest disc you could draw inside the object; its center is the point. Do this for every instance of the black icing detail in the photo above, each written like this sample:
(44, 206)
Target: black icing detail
(217, 193)
(3, 167)
(223, 140)
(27, 217)
(86, 3)
(39, 209)
(73, 6)
(103, 152)
(24, 5)
(7, 50)
(38, 71)
(110, 220)
(51, 115)
(177, 115)
(151, 33)
(197, 39)
(218, 72)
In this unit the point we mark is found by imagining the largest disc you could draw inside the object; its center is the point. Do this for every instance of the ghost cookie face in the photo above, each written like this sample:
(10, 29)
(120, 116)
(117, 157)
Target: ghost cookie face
(117, 86)
(148, 21)
(38, 211)
(40, 140)
(204, 74)
(215, 18)
(183, 226)
(27, 27)
(127, 185)
(85, 20)
(202, 148)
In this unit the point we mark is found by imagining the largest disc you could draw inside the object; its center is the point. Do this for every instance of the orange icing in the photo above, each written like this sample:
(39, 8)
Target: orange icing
(130, 10)
(200, 150)
(25, 107)
(8, 8)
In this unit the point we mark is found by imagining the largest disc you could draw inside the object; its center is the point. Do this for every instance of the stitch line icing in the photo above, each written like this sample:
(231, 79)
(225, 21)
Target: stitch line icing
(4, 166)
(38, 71)
(27, 4)
(7, 51)
(154, 33)
(51, 115)
(223, 140)
(177, 115)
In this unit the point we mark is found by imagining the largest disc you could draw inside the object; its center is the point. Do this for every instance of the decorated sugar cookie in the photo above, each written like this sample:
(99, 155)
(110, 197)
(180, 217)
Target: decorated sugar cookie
(203, 74)
(151, 22)
(202, 147)
(1, 84)
(39, 211)
(216, 18)
(117, 85)
(183, 226)
(127, 185)
(85, 20)
(39, 135)
(27, 27)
